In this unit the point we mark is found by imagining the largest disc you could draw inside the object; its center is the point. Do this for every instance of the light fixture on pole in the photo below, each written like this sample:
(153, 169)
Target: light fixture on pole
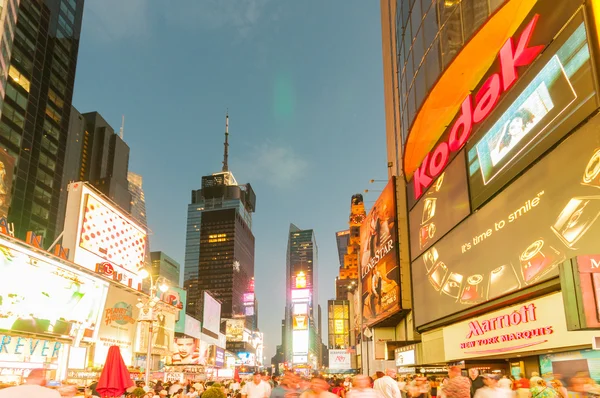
(370, 190)
(148, 312)
(372, 181)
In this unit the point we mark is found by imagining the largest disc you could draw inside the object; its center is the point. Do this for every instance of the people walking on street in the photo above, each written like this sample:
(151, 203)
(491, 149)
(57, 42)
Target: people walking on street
(476, 381)
(491, 388)
(387, 384)
(458, 386)
(361, 388)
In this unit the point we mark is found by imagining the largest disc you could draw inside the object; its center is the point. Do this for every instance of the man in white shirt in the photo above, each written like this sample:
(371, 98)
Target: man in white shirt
(491, 389)
(257, 388)
(33, 387)
(387, 385)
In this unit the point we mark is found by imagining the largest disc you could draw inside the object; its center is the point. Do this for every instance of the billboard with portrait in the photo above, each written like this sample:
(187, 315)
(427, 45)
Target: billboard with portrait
(211, 316)
(7, 165)
(558, 92)
(443, 205)
(163, 331)
(176, 297)
(379, 271)
(188, 351)
(43, 296)
(118, 326)
(548, 215)
(98, 233)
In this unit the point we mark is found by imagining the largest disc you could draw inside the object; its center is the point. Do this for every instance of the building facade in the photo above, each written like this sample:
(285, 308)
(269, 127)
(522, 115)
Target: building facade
(219, 255)
(303, 342)
(36, 109)
(164, 266)
(342, 239)
(95, 153)
(348, 275)
(8, 22)
(496, 171)
(138, 200)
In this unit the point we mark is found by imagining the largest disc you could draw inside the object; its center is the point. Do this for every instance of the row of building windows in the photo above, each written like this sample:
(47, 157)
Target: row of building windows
(429, 34)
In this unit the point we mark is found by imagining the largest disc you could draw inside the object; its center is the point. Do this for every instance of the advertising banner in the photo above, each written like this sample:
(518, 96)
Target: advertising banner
(103, 238)
(405, 357)
(530, 325)
(176, 297)
(7, 165)
(163, 333)
(580, 287)
(300, 322)
(211, 322)
(557, 94)
(339, 359)
(189, 351)
(193, 328)
(520, 237)
(569, 365)
(118, 326)
(444, 205)
(300, 342)
(42, 296)
(235, 329)
(379, 271)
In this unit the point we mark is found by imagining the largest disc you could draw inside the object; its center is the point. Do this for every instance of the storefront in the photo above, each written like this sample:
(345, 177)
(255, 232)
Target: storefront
(53, 308)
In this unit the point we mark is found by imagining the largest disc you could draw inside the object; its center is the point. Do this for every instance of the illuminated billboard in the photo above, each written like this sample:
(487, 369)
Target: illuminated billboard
(235, 329)
(211, 316)
(43, 296)
(102, 237)
(300, 295)
(118, 326)
(519, 238)
(557, 94)
(444, 205)
(189, 351)
(300, 322)
(300, 342)
(163, 332)
(379, 271)
(248, 298)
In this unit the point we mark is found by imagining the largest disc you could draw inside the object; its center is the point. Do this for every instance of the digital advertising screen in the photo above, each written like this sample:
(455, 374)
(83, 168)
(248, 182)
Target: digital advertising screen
(300, 341)
(443, 205)
(379, 270)
(211, 316)
(552, 98)
(235, 329)
(44, 297)
(548, 215)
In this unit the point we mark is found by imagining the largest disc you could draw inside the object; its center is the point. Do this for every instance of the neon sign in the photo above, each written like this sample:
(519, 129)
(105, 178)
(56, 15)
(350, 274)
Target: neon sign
(475, 111)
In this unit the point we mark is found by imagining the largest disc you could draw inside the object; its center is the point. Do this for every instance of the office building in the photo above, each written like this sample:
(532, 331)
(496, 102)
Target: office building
(348, 274)
(96, 154)
(497, 183)
(164, 266)
(219, 253)
(36, 110)
(342, 239)
(303, 339)
(138, 201)
(8, 22)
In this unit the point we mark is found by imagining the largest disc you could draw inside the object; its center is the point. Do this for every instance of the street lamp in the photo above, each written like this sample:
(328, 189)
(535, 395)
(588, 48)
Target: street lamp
(149, 303)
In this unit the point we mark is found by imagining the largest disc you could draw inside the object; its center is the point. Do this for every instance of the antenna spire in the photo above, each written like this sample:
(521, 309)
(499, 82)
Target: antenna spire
(122, 126)
(226, 145)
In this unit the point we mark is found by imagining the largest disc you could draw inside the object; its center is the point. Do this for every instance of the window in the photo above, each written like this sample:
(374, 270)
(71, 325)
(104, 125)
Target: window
(52, 96)
(68, 13)
(65, 26)
(10, 134)
(12, 114)
(45, 178)
(60, 86)
(42, 195)
(13, 94)
(46, 161)
(19, 78)
(40, 211)
(23, 61)
(52, 131)
(49, 146)
(53, 113)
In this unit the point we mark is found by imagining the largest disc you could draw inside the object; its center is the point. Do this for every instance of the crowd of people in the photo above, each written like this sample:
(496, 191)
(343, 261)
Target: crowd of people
(381, 385)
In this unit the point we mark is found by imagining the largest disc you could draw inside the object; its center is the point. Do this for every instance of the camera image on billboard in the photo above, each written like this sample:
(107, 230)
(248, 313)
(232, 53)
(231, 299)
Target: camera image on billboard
(548, 215)
(541, 114)
(443, 206)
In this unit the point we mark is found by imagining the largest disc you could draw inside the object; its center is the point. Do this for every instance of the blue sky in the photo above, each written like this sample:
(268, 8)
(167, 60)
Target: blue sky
(303, 84)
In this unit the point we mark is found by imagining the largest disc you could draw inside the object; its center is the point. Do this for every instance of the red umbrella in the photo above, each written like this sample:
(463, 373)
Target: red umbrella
(115, 378)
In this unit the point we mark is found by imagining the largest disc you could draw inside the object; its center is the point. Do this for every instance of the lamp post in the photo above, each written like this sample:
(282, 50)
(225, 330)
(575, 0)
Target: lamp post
(149, 304)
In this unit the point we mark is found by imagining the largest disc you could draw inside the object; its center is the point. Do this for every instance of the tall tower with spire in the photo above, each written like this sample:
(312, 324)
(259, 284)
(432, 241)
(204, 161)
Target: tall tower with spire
(219, 252)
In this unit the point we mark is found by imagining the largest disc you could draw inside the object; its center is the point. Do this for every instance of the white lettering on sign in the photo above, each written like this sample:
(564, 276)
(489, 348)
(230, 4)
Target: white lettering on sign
(28, 346)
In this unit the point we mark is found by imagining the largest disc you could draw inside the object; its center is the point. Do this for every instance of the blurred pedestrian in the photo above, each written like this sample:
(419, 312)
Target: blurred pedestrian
(34, 387)
(476, 381)
(387, 385)
(361, 388)
(491, 388)
(458, 386)
(560, 389)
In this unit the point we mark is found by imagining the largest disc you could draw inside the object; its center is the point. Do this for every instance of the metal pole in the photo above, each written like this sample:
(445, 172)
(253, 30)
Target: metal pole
(149, 351)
